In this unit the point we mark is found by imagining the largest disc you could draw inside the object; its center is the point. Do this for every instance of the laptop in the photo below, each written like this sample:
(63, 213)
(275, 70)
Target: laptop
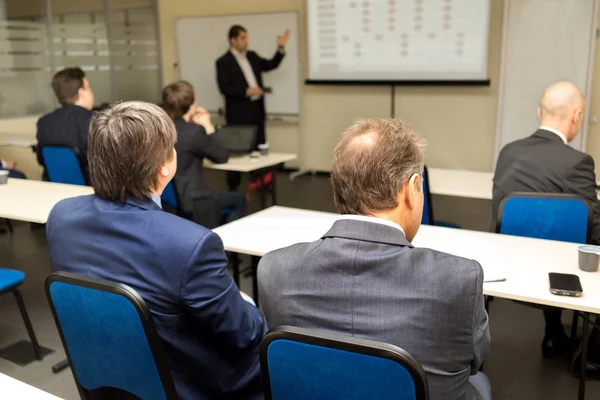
(238, 139)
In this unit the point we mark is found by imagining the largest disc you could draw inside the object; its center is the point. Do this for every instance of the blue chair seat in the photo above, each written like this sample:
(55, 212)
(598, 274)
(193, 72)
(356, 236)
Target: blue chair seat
(129, 359)
(10, 278)
(62, 165)
(302, 364)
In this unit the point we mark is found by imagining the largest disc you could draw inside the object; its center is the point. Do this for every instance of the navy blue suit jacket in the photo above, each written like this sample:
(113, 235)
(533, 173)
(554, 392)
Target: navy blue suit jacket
(209, 333)
(65, 126)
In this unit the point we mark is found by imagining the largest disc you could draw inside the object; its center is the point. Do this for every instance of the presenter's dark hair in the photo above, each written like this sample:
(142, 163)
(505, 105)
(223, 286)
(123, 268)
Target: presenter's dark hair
(177, 98)
(66, 84)
(127, 145)
(235, 31)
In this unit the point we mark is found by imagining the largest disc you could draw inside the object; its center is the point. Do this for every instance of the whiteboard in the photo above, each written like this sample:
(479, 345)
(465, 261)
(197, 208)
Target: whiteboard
(544, 41)
(402, 40)
(202, 40)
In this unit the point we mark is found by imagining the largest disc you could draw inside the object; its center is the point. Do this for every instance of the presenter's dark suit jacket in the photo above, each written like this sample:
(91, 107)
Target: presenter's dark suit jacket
(193, 145)
(239, 109)
(65, 126)
(542, 162)
(209, 333)
(365, 279)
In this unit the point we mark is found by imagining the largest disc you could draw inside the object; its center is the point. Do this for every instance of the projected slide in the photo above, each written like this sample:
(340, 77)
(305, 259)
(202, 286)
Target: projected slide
(398, 39)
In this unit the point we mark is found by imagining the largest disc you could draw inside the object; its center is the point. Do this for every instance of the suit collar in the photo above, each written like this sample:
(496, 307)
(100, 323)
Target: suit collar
(542, 133)
(145, 204)
(368, 232)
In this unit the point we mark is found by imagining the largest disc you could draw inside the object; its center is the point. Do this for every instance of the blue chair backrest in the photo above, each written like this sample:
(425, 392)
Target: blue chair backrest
(109, 336)
(427, 218)
(62, 165)
(563, 217)
(169, 196)
(301, 364)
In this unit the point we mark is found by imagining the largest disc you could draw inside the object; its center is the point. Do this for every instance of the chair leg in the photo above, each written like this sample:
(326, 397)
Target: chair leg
(56, 368)
(574, 326)
(9, 225)
(34, 342)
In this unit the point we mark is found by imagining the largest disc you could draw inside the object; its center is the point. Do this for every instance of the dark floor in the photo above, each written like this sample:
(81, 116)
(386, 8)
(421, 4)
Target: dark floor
(515, 365)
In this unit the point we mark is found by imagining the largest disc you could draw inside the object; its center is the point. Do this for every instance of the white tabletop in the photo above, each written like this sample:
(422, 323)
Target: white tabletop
(15, 140)
(31, 201)
(524, 262)
(17, 143)
(461, 183)
(247, 164)
(11, 388)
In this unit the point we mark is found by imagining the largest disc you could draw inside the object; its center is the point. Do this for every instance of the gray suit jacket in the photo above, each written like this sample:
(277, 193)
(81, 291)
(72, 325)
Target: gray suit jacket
(365, 279)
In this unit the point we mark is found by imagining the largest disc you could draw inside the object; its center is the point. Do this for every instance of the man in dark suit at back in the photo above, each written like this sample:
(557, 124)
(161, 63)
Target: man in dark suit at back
(197, 139)
(545, 163)
(239, 76)
(210, 334)
(364, 278)
(69, 124)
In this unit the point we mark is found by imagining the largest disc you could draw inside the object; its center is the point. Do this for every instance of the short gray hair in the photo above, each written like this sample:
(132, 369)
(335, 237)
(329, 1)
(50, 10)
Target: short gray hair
(127, 144)
(367, 175)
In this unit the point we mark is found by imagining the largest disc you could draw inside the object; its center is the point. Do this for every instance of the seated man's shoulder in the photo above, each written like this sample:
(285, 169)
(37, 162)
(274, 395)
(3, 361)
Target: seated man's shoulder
(44, 119)
(286, 256)
(72, 204)
(449, 265)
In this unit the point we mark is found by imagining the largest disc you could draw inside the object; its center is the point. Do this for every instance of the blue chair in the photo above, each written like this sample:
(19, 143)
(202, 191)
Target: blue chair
(10, 280)
(169, 196)
(427, 218)
(302, 364)
(62, 165)
(109, 337)
(553, 216)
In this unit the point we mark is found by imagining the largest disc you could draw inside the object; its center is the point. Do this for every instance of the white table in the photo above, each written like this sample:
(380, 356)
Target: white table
(262, 163)
(31, 201)
(461, 183)
(8, 141)
(11, 388)
(525, 262)
(246, 163)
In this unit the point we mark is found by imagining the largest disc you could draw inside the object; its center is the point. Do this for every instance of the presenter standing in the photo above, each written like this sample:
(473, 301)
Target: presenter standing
(239, 76)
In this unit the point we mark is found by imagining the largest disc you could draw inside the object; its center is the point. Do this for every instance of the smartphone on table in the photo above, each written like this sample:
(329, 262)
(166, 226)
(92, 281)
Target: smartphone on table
(565, 284)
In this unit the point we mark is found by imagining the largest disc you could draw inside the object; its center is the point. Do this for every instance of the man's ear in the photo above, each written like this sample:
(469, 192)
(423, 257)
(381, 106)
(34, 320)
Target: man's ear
(412, 188)
(163, 171)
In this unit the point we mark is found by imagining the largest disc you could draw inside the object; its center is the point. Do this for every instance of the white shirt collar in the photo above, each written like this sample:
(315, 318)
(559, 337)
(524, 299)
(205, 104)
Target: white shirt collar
(372, 219)
(156, 199)
(236, 53)
(557, 133)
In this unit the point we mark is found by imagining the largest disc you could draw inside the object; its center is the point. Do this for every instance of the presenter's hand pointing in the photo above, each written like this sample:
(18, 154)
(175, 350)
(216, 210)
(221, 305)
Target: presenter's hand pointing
(283, 38)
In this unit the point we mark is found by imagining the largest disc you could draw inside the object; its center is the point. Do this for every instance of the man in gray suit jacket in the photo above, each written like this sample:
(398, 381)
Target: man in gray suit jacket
(544, 163)
(363, 278)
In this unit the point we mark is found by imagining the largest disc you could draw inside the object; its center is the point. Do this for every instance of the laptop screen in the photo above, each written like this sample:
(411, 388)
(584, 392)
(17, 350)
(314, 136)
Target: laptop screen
(238, 138)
